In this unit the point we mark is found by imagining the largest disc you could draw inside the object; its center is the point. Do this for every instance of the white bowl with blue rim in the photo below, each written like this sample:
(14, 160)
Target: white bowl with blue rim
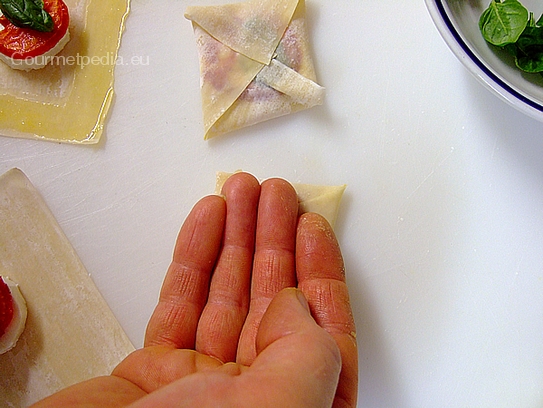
(458, 23)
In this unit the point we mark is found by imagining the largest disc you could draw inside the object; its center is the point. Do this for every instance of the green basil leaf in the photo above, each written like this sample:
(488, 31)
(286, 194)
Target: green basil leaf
(503, 22)
(511, 49)
(531, 40)
(532, 63)
(27, 14)
(530, 50)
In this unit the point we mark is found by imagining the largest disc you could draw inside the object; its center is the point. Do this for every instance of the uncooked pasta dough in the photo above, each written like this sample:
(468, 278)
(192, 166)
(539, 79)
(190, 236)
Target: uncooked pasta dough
(320, 199)
(71, 334)
(76, 83)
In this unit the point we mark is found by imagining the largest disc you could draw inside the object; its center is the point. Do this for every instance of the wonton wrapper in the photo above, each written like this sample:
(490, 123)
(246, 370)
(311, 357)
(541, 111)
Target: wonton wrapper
(255, 62)
(323, 200)
(71, 335)
(67, 100)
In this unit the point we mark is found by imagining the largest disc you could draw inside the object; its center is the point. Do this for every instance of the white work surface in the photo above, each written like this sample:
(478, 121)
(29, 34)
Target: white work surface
(442, 221)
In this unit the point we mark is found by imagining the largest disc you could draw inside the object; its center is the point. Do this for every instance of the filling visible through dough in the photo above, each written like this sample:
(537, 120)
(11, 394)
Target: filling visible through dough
(255, 62)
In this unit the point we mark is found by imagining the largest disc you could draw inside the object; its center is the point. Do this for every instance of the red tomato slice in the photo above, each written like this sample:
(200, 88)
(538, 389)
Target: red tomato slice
(6, 307)
(21, 43)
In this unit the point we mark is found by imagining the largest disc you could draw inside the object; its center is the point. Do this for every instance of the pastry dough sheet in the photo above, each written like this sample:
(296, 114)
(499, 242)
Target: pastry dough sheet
(71, 334)
(68, 100)
(323, 200)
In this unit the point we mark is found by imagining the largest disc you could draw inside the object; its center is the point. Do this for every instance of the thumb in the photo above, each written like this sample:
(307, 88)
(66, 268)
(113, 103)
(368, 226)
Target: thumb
(297, 357)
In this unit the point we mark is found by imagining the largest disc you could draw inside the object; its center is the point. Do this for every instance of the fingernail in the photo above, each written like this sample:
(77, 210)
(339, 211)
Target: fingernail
(302, 299)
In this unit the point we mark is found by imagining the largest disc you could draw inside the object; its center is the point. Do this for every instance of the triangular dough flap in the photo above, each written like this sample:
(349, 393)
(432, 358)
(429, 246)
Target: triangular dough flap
(225, 74)
(323, 200)
(252, 28)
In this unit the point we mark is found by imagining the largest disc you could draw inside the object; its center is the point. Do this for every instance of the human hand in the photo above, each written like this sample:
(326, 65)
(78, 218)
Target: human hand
(230, 329)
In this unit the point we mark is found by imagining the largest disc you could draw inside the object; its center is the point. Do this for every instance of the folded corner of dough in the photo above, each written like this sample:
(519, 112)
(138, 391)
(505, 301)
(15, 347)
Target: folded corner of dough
(320, 199)
(323, 200)
(220, 179)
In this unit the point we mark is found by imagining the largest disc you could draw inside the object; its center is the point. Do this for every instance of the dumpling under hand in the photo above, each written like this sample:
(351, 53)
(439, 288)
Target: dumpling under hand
(255, 62)
(320, 199)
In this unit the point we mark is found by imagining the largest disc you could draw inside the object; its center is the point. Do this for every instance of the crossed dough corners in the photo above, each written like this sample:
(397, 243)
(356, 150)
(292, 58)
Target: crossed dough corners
(255, 63)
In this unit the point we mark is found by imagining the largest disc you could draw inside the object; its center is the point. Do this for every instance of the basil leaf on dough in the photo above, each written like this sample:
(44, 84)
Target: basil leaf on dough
(27, 14)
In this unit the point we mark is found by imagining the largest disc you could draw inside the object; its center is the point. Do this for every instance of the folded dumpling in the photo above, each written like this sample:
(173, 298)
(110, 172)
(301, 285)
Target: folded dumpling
(255, 62)
(320, 199)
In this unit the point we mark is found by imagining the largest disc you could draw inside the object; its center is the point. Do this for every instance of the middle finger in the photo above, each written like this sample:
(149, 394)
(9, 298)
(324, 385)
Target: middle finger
(274, 262)
(223, 316)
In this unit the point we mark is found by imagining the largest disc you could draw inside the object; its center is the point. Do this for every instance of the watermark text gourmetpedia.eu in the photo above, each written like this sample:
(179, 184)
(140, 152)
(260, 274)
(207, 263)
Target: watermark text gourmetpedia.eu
(82, 61)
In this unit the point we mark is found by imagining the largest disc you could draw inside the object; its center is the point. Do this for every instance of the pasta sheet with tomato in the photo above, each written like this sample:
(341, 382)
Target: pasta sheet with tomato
(77, 83)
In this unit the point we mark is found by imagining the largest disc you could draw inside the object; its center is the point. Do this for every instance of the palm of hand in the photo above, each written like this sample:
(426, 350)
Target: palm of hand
(225, 332)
